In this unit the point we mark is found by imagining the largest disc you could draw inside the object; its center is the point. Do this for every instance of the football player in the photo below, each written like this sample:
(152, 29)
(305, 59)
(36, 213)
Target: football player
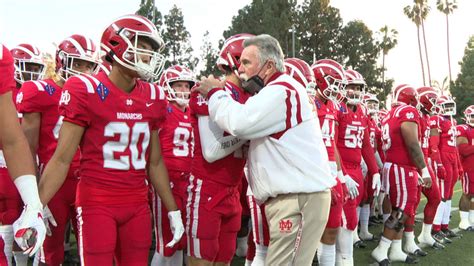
(449, 159)
(404, 159)
(116, 119)
(329, 79)
(465, 143)
(176, 138)
(38, 101)
(28, 65)
(353, 144)
(428, 97)
(213, 208)
(28, 230)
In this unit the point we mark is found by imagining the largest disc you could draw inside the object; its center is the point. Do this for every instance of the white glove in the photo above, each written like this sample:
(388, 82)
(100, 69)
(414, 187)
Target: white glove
(30, 230)
(425, 178)
(48, 218)
(177, 227)
(350, 184)
(376, 184)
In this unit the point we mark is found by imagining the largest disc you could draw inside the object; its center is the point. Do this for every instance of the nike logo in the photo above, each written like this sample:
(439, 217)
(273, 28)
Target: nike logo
(149, 104)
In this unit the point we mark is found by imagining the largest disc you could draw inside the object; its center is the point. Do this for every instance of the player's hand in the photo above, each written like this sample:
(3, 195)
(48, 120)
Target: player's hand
(425, 178)
(48, 219)
(177, 227)
(352, 187)
(376, 184)
(441, 171)
(29, 230)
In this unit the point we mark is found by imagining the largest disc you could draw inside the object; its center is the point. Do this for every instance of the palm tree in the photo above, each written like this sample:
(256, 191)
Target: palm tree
(389, 41)
(442, 86)
(413, 13)
(447, 8)
(424, 10)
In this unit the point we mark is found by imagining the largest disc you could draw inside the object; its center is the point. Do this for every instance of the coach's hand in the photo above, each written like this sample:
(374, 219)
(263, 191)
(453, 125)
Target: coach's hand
(206, 84)
(177, 227)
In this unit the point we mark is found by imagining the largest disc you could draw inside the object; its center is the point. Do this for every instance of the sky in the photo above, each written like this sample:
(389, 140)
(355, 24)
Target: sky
(44, 22)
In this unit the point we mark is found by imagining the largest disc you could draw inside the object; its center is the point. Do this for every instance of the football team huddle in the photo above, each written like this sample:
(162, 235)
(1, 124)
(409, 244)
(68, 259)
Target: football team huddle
(126, 153)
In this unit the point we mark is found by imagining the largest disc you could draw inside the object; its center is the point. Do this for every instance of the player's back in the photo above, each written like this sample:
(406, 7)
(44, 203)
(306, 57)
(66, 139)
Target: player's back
(393, 142)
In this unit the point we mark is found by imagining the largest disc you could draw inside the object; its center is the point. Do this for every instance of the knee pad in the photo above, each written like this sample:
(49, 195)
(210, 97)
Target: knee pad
(396, 220)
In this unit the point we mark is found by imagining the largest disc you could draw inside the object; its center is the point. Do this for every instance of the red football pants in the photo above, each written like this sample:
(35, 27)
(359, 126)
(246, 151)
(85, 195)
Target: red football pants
(450, 163)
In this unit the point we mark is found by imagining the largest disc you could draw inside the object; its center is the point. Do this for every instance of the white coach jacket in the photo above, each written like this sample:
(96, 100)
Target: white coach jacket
(287, 153)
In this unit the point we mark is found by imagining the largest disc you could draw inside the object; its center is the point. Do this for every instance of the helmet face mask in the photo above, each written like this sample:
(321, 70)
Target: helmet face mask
(448, 108)
(28, 63)
(70, 65)
(354, 93)
(136, 52)
(372, 107)
(335, 87)
(330, 78)
(177, 82)
(469, 115)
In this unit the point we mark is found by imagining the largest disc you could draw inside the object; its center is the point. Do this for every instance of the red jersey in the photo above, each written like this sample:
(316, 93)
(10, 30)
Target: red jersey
(43, 97)
(393, 142)
(353, 138)
(448, 134)
(115, 143)
(327, 114)
(176, 138)
(467, 132)
(425, 130)
(228, 170)
(7, 70)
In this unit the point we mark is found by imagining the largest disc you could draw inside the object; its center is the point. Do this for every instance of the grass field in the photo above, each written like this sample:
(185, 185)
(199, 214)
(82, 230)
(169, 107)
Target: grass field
(460, 252)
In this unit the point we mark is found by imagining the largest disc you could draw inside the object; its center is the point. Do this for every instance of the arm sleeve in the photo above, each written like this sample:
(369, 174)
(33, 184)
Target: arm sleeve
(262, 115)
(7, 71)
(378, 159)
(214, 144)
(368, 154)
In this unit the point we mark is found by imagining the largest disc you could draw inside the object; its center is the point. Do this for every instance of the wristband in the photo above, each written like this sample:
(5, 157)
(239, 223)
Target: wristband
(341, 177)
(425, 172)
(28, 189)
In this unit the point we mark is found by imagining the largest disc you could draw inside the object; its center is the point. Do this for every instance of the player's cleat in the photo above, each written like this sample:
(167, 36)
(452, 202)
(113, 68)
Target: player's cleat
(450, 233)
(384, 262)
(360, 244)
(420, 253)
(441, 238)
(411, 260)
(438, 246)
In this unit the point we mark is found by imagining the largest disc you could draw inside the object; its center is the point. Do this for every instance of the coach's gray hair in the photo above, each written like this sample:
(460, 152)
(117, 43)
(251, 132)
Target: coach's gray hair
(269, 49)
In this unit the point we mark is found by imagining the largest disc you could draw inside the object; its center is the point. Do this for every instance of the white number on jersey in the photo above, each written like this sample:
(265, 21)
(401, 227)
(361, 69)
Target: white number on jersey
(386, 137)
(452, 132)
(426, 138)
(327, 131)
(372, 139)
(129, 138)
(180, 142)
(353, 137)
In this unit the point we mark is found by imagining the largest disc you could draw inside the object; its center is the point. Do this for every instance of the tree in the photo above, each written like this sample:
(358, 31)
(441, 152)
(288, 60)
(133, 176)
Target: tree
(178, 47)
(447, 8)
(388, 42)
(273, 17)
(413, 13)
(208, 57)
(424, 10)
(318, 27)
(149, 10)
(463, 87)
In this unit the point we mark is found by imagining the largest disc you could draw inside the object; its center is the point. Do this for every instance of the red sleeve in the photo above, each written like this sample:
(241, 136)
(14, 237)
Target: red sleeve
(198, 105)
(160, 109)
(465, 149)
(7, 71)
(368, 154)
(74, 102)
(408, 113)
(31, 99)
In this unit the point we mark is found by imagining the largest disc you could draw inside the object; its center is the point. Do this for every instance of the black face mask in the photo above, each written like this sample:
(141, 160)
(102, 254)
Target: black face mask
(254, 84)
